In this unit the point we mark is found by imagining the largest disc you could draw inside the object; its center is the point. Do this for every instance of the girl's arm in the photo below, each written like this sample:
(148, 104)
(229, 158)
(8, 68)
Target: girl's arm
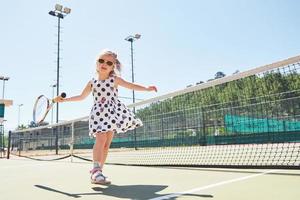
(86, 91)
(133, 86)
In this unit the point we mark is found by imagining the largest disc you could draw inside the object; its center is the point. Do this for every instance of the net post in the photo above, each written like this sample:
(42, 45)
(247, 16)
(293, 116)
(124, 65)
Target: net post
(20, 142)
(203, 135)
(72, 141)
(56, 140)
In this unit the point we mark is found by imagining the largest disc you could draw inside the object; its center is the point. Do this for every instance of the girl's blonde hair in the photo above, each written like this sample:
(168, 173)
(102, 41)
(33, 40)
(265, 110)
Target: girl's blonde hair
(118, 65)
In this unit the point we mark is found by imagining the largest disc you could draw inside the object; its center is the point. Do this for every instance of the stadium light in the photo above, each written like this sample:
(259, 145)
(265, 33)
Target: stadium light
(60, 13)
(4, 79)
(58, 7)
(19, 114)
(131, 39)
(67, 10)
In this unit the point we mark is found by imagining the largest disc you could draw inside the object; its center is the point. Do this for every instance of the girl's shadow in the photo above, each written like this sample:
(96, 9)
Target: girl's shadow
(124, 191)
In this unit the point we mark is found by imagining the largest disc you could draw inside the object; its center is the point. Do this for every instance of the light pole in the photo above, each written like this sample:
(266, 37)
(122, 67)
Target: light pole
(131, 39)
(4, 79)
(60, 13)
(19, 114)
(2, 135)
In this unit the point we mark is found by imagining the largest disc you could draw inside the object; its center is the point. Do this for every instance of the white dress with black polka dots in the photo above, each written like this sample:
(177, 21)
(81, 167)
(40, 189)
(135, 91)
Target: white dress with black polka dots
(108, 112)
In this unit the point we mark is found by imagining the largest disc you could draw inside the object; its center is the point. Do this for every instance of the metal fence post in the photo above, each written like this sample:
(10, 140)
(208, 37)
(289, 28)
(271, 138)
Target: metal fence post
(72, 141)
(8, 144)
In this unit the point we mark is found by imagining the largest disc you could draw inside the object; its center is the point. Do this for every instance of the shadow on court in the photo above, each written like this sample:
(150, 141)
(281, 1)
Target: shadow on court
(128, 191)
(64, 180)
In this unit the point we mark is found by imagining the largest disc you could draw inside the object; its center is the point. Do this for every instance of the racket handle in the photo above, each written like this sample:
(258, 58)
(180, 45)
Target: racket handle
(62, 95)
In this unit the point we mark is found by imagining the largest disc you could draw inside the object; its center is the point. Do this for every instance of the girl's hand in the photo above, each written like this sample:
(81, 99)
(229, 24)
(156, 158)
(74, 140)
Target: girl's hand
(152, 88)
(59, 99)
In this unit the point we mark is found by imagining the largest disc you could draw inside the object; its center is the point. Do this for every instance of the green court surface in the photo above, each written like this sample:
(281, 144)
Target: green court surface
(27, 179)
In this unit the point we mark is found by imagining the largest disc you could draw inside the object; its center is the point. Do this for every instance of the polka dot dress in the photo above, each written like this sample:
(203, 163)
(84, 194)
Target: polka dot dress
(108, 112)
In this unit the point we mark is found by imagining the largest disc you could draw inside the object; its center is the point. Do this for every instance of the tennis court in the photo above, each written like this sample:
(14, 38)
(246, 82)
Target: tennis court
(236, 137)
(28, 179)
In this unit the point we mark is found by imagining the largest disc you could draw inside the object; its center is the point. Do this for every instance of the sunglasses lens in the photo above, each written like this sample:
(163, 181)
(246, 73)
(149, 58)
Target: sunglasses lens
(109, 63)
(101, 61)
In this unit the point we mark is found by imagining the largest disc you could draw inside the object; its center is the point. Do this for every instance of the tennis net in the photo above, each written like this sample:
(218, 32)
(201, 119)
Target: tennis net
(248, 119)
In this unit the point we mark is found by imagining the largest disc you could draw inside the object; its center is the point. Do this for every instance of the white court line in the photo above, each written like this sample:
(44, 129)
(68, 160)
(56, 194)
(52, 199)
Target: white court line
(211, 186)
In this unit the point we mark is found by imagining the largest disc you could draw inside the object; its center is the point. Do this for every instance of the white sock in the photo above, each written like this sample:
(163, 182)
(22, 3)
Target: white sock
(96, 165)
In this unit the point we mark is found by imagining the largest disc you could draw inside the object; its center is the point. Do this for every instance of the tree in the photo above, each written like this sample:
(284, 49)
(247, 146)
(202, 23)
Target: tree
(21, 127)
(219, 75)
(236, 72)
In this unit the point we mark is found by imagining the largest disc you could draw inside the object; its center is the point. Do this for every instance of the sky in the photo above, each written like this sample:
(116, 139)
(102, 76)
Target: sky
(182, 42)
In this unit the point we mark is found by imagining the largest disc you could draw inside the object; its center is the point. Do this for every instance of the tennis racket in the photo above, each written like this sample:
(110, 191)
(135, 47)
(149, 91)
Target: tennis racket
(42, 106)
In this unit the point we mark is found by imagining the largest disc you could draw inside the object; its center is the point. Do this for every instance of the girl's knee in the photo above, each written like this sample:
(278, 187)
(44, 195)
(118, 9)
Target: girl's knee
(106, 147)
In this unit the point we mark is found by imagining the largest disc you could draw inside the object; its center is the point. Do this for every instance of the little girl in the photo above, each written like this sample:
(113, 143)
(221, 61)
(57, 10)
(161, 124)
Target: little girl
(108, 114)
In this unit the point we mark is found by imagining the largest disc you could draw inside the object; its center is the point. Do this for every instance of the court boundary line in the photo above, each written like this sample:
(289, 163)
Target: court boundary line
(177, 194)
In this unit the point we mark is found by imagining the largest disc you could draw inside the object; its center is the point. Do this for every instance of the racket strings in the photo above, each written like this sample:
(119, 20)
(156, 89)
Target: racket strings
(41, 108)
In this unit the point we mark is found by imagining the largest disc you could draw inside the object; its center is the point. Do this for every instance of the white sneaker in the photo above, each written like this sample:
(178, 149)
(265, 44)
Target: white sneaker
(98, 178)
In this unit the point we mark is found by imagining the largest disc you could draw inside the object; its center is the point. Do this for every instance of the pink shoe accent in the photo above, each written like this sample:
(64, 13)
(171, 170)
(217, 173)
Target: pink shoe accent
(94, 170)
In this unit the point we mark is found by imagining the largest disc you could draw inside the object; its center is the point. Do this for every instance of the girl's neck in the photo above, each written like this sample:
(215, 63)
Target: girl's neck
(103, 76)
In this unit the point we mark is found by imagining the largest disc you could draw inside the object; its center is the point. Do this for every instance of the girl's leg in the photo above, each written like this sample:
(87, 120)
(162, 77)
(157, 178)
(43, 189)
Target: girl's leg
(98, 155)
(98, 149)
(109, 138)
